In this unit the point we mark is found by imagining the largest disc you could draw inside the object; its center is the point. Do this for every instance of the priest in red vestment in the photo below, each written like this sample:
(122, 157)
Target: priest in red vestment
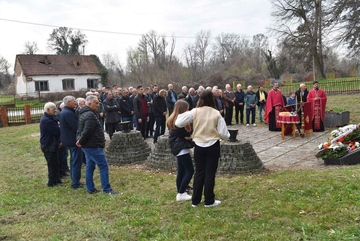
(317, 98)
(274, 105)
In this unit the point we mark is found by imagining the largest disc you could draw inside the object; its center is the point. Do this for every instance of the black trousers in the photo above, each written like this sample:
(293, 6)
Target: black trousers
(239, 108)
(53, 165)
(150, 125)
(142, 126)
(228, 114)
(112, 127)
(206, 163)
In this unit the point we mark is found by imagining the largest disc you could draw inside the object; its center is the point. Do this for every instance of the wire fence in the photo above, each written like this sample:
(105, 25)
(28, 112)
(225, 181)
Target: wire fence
(334, 87)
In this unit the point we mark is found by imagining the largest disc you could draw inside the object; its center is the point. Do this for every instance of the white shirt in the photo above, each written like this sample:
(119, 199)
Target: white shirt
(188, 116)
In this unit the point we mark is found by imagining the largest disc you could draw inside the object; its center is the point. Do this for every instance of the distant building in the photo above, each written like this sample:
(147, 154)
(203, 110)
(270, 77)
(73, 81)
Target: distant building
(55, 73)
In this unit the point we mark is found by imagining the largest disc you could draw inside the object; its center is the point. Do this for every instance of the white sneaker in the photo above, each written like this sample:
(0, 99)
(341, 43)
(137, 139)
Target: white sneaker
(254, 124)
(216, 203)
(247, 124)
(183, 197)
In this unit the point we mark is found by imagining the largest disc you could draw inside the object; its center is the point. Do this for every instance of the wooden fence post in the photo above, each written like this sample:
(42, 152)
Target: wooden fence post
(4, 118)
(27, 114)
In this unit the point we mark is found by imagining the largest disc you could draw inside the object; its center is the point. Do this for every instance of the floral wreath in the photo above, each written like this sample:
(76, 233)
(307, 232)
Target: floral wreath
(341, 142)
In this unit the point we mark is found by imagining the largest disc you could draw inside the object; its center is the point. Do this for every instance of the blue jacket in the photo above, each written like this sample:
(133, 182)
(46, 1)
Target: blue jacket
(68, 127)
(240, 95)
(49, 132)
(250, 98)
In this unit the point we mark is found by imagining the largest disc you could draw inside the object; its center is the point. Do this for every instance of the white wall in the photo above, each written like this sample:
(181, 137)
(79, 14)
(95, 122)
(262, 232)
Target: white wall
(20, 84)
(54, 83)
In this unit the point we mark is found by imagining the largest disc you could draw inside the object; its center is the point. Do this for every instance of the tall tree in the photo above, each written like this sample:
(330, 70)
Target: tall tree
(346, 13)
(65, 41)
(202, 44)
(30, 48)
(260, 45)
(5, 77)
(301, 24)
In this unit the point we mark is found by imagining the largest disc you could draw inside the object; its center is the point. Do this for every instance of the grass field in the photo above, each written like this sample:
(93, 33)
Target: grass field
(286, 205)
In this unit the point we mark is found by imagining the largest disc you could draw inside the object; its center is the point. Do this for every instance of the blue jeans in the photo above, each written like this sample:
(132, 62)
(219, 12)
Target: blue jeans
(262, 107)
(160, 124)
(96, 156)
(252, 111)
(134, 120)
(184, 173)
(128, 118)
(76, 160)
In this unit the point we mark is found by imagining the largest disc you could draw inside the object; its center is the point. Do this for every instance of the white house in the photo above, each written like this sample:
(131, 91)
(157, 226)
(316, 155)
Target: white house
(34, 74)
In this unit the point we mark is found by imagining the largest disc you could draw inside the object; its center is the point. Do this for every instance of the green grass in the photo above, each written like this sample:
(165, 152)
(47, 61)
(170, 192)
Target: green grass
(286, 205)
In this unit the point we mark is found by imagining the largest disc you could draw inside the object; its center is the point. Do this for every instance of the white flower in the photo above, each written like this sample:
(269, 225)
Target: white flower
(335, 133)
(357, 144)
(321, 146)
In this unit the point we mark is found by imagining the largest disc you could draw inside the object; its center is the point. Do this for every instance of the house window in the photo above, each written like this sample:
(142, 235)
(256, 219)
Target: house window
(68, 84)
(41, 86)
(92, 83)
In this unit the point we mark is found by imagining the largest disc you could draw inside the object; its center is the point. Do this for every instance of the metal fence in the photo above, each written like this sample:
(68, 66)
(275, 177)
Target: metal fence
(20, 115)
(36, 114)
(16, 115)
(334, 87)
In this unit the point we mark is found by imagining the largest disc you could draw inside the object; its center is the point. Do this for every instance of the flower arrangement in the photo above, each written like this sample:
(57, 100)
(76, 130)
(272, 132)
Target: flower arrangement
(341, 142)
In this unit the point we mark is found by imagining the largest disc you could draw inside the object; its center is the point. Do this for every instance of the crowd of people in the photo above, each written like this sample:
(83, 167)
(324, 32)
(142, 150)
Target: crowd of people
(197, 118)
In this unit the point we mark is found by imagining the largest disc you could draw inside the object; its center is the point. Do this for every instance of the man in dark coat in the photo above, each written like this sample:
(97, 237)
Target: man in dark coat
(140, 110)
(50, 143)
(112, 109)
(171, 98)
(190, 98)
(159, 109)
(127, 108)
(239, 104)
(90, 137)
(68, 129)
(229, 99)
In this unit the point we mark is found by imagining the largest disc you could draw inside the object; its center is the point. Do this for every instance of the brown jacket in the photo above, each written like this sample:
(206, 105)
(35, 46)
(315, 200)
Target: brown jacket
(228, 97)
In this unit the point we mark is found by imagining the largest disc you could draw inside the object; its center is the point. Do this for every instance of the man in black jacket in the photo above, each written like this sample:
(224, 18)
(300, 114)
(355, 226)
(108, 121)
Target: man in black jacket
(140, 110)
(90, 137)
(112, 109)
(159, 110)
(68, 129)
(127, 109)
(239, 104)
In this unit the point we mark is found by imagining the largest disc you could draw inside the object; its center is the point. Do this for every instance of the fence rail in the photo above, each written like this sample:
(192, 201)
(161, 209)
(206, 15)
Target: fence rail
(20, 115)
(335, 87)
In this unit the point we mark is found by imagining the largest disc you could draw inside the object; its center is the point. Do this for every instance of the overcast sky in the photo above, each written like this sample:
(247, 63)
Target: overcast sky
(171, 17)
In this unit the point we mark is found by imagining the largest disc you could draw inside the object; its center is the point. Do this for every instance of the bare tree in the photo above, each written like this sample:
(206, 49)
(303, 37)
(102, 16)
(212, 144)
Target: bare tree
(226, 45)
(30, 48)
(202, 44)
(301, 24)
(260, 45)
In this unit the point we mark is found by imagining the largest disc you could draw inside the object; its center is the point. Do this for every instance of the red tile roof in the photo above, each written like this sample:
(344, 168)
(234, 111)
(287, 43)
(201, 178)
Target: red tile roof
(57, 64)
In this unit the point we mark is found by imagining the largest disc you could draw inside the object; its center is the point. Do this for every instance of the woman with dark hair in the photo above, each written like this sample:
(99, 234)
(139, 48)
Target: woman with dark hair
(180, 143)
(209, 128)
